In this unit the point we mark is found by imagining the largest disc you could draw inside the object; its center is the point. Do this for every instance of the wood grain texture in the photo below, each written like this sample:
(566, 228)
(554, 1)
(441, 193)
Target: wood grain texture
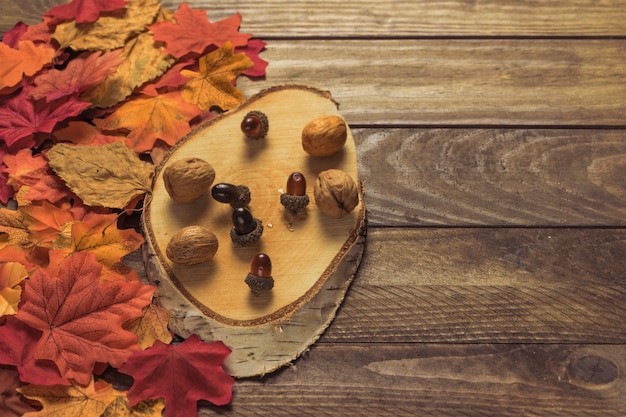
(440, 380)
(459, 81)
(488, 177)
(401, 19)
(29, 12)
(485, 285)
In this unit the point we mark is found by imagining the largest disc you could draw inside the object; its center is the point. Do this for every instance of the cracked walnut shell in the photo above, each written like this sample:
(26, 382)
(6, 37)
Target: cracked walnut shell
(336, 193)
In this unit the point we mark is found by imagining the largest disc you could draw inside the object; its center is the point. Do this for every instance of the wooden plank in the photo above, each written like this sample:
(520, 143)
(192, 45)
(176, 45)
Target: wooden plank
(392, 18)
(440, 380)
(484, 285)
(398, 18)
(493, 176)
(459, 82)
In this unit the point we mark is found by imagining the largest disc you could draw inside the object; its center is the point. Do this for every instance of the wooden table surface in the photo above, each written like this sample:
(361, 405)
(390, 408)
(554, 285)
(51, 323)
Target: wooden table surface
(491, 138)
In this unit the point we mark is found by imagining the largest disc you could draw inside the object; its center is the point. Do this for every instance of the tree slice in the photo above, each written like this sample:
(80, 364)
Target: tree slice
(314, 257)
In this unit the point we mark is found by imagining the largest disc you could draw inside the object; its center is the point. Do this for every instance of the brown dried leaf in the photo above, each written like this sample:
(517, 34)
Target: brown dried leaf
(108, 175)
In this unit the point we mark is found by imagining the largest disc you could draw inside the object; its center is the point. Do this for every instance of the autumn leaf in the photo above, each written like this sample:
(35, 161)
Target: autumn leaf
(121, 408)
(151, 326)
(27, 59)
(143, 61)
(108, 32)
(149, 118)
(87, 69)
(252, 51)
(83, 11)
(70, 401)
(49, 188)
(212, 85)
(81, 320)
(12, 224)
(48, 225)
(181, 374)
(108, 175)
(21, 116)
(12, 404)
(17, 348)
(24, 168)
(11, 275)
(193, 32)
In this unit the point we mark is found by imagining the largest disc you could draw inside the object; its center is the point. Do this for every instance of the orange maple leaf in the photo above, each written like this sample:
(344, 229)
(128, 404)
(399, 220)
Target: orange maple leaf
(164, 117)
(24, 168)
(212, 85)
(80, 319)
(151, 326)
(48, 224)
(27, 59)
(11, 274)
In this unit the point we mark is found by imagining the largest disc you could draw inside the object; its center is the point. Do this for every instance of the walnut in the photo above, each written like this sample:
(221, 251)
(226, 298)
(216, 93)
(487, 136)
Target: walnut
(324, 136)
(187, 179)
(192, 245)
(336, 193)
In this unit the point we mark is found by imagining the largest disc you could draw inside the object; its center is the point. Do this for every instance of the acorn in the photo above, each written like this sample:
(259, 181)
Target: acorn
(260, 279)
(255, 125)
(295, 199)
(235, 195)
(246, 230)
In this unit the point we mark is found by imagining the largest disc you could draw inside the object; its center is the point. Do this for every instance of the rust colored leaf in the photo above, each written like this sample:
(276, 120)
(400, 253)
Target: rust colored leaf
(192, 32)
(17, 348)
(71, 401)
(143, 61)
(27, 59)
(181, 374)
(87, 69)
(48, 225)
(108, 32)
(83, 11)
(24, 168)
(81, 320)
(11, 275)
(13, 404)
(110, 175)
(212, 85)
(151, 326)
(48, 188)
(164, 117)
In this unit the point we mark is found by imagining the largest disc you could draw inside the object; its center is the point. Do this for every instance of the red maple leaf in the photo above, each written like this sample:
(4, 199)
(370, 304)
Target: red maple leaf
(81, 320)
(252, 50)
(83, 11)
(13, 404)
(194, 33)
(82, 72)
(12, 37)
(181, 374)
(17, 348)
(21, 116)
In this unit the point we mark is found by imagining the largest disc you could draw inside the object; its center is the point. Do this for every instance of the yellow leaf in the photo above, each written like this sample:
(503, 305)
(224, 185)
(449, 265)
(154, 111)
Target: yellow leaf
(70, 401)
(151, 326)
(11, 274)
(146, 408)
(144, 61)
(212, 85)
(110, 175)
(13, 229)
(108, 32)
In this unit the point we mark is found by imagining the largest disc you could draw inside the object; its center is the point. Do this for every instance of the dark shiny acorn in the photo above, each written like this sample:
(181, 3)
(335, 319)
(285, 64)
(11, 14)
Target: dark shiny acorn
(261, 266)
(235, 195)
(260, 279)
(243, 221)
(254, 125)
(296, 184)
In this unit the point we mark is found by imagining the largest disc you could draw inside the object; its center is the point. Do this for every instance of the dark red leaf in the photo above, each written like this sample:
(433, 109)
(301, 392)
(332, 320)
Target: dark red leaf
(83, 11)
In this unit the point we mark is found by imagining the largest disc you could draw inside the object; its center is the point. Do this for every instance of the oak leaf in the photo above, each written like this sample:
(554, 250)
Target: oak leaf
(27, 59)
(110, 175)
(83, 11)
(12, 403)
(87, 69)
(143, 61)
(17, 348)
(212, 85)
(81, 320)
(151, 326)
(24, 168)
(70, 401)
(108, 32)
(192, 32)
(21, 116)
(11, 275)
(148, 118)
(181, 374)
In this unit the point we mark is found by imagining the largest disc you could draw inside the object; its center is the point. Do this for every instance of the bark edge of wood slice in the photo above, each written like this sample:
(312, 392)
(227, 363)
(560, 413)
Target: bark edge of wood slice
(314, 257)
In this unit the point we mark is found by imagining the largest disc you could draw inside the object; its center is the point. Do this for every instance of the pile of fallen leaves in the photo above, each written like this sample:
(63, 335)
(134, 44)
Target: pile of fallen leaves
(95, 75)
